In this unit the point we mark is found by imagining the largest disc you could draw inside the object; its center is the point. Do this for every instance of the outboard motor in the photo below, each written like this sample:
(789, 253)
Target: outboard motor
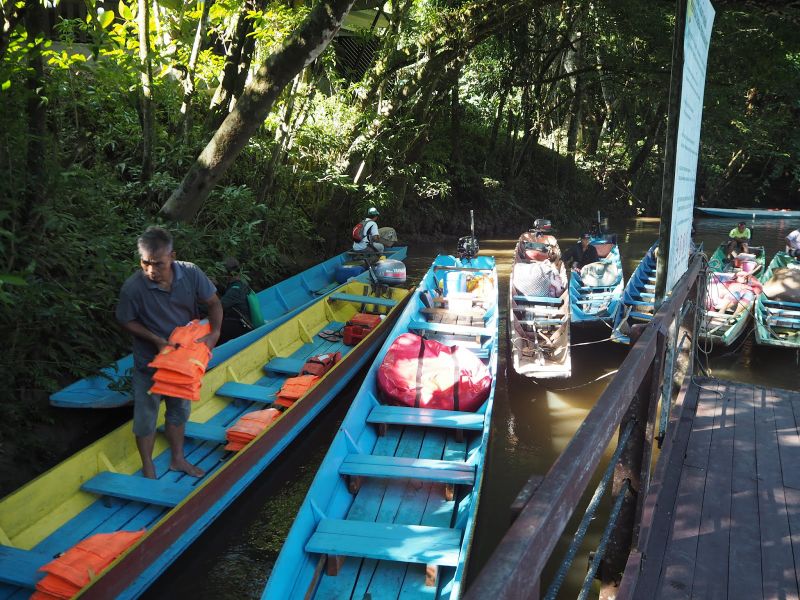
(390, 272)
(468, 247)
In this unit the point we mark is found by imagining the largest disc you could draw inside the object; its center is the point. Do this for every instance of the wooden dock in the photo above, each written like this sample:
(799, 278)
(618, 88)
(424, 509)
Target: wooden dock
(722, 515)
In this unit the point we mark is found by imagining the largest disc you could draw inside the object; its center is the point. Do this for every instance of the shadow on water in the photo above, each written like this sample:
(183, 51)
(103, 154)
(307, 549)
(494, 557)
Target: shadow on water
(532, 424)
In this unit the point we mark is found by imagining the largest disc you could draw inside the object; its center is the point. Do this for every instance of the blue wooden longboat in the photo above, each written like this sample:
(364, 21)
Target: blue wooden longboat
(597, 303)
(778, 321)
(638, 298)
(743, 213)
(392, 508)
(279, 303)
(100, 489)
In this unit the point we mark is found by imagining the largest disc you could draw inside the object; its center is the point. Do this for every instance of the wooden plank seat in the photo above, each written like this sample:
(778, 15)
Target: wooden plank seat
(539, 300)
(284, 366)
(205, 432)
(639, 315)
(398, 467)
(363, 299)
(451, 329)
(783, 322)
(426, 417)
(781, 303)
(435, 546)
(246, 391)
(21, 567)
(138, 488)
(594, 288)
(782, 311)
(463, 269)
(444, 312)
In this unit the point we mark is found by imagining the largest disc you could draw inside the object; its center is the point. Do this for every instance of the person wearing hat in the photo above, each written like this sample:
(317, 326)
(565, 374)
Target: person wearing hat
(582, 253)
(793, 243)
(738, 238)
(369, 233)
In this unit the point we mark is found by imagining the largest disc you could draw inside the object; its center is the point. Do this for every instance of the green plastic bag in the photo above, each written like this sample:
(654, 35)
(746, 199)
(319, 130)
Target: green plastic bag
(256, 316)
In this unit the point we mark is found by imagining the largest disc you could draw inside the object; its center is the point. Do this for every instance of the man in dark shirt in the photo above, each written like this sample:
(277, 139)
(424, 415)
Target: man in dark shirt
(582, 253)
(163, 295)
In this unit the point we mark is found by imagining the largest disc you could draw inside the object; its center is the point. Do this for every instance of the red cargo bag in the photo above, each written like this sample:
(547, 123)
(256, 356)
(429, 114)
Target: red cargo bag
(358, 327)
(427, 374)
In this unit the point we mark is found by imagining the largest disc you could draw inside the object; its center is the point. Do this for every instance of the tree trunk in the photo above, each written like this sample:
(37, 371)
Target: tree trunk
(188, 87)
(148, 118)
(455, 122)
(653, 134)
(237, 65)
(304, 46)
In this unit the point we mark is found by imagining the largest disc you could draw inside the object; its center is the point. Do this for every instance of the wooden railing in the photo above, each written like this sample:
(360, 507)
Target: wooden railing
(514, 570)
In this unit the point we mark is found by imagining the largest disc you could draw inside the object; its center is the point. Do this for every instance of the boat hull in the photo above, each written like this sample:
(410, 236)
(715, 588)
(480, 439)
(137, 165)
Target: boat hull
(777, 323)
(279, 303)
(596, 303)
(638, 298)
(539, 329)
(417, 502)
(743, 213)
(46, 524)
(723, 329)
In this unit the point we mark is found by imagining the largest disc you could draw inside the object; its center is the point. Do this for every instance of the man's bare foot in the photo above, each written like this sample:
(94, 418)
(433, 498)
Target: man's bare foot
(149, 471)
(184, 466)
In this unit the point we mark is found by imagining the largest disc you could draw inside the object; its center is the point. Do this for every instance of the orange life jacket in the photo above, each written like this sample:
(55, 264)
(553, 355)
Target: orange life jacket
(295, 388)
(78, 566)
(181, 365)
(249, 426)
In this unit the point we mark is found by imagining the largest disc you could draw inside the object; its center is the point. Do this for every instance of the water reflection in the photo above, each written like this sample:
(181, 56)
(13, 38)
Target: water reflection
(532, 425)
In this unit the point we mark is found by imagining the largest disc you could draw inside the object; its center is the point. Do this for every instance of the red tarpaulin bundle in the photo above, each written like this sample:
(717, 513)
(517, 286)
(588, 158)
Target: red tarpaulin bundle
(427, 374)
(249, 426)
(180, 366)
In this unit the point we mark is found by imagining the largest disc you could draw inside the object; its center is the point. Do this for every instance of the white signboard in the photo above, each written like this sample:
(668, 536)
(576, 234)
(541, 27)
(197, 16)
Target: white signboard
(699, 18)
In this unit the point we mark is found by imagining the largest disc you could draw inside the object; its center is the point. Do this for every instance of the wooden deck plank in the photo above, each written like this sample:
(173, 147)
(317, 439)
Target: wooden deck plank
(364, 508)
(789, 453)
(388, 577)
(711, 569)
(778, 576)
(677, 571)
(439, 512)
(744, 562)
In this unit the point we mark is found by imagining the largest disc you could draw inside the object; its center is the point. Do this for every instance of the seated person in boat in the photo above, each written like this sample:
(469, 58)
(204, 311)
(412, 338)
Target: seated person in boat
(736, 293)
(582, 253)
(236, 316)
(793, 243)
(366, 237)
(738, 239)
(155, 300)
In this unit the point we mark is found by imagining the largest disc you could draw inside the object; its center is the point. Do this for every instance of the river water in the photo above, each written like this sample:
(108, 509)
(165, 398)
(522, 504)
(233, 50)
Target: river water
(531, 426)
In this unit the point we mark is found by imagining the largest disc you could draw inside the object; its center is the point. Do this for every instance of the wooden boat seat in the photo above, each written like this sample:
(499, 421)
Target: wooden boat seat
(543, 322)
(450, 473)
(363, 299)
(284, 366)
(205, 432)
(138, 488)
(426, 417)
(246, 391)
(539, 300)
(451, 329)
(642, 316)
(432, 546)
(781, 303)
(782, 311)
(21, 567)
(444, 312)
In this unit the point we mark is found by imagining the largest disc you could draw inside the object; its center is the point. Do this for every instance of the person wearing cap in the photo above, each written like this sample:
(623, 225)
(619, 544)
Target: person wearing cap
(582, 253)
(738, 238)
(370, 238)
(793, 243)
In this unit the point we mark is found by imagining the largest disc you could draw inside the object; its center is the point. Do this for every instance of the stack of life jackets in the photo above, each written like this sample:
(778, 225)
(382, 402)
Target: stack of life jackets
(315, 367)
(77, 567)
(357, 328)
(180, 366)
(248, 427)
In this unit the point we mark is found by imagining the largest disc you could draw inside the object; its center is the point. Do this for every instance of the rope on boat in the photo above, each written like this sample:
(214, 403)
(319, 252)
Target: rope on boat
(588, 516)
(595, 380)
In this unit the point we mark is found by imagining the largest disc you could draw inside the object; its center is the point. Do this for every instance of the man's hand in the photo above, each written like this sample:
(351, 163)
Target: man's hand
(209, 340)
